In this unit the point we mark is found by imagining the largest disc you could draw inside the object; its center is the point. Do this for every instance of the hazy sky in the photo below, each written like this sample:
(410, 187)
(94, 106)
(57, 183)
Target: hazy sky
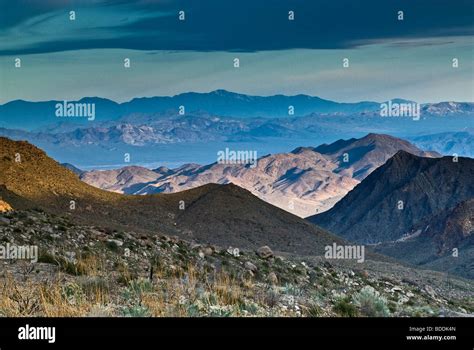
(64, 59)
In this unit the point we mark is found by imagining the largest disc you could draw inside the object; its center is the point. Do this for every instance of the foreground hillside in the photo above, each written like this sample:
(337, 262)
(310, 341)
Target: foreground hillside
(92, 271)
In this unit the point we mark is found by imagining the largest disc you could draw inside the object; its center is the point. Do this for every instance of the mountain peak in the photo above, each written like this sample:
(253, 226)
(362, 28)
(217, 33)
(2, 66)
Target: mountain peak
(374, 137)
(404, 155)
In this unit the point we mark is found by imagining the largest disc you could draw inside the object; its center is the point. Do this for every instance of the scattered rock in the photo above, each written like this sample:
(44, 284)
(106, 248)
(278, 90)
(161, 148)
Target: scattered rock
(251, 267)
(265, 252)
(116, 241)
(208, 251)
(451, 313)
(396, 290)
(6, 221)
(272, 278)
(431, 292)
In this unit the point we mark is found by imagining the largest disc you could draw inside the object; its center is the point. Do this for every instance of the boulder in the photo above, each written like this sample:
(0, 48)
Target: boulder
(265, 252)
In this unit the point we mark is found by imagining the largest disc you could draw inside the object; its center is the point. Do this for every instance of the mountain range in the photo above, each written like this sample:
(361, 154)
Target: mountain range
(211, 214)
(305, 181)
(32, 115)
(448, 143)
(155, 131)
(418, 210)
(414, 209)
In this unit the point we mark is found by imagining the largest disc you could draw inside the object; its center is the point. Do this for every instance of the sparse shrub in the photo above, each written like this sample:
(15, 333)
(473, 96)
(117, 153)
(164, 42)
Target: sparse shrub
(370, 302)
(271, 298)
(345, 308)
(72, 293)
(313, 310)
(136, 311)
(112, 246)
(248, 307)
(392, 306)
(422, 311)
(291, 289)
(138, 287)
(92, 286)
(48, 258)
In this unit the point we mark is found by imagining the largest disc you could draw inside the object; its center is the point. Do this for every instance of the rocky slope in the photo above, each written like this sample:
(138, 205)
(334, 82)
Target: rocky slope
(87, 270)
(444, 242)
(420, 208)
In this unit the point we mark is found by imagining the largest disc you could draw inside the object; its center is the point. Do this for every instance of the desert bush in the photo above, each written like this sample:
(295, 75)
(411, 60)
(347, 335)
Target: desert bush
(344, 307)
(370, 302)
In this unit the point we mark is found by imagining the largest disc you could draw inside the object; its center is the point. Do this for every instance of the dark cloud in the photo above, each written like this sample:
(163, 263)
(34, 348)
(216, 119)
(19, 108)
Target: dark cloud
(246, 25)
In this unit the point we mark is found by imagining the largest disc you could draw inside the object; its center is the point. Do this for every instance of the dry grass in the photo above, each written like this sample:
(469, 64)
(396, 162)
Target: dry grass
(94, 291)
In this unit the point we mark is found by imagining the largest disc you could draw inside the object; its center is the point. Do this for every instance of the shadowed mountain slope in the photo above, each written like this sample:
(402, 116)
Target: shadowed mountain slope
(398, 195)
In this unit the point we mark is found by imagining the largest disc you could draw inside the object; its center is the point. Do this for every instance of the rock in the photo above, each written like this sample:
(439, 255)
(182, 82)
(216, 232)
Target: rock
(208, 251)
(451, 313)
(196, 246)
(251, 267)
(396, 290)
(47, 229)
(431, 292)
(116, 241)
(5, 220)
(272, 278)
(265, 252)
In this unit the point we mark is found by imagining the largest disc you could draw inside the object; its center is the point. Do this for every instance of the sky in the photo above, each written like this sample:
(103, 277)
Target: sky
(388, 58)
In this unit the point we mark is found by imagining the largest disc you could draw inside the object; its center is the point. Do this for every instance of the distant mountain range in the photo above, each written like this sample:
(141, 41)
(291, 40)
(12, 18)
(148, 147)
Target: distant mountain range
(304, 182)
(448, 143)
(412, 208)
(26, 115)
(147, 127)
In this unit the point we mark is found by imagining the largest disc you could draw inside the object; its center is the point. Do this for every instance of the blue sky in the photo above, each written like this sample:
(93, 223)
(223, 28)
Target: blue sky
(63, 59)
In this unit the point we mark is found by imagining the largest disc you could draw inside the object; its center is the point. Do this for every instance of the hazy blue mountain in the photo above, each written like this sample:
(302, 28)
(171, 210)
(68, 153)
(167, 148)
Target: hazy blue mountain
(449, 143)
(32, 115)
(27, 115)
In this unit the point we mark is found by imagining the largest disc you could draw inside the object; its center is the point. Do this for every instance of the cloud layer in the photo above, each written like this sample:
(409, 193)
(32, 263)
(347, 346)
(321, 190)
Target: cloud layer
(28, 26)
